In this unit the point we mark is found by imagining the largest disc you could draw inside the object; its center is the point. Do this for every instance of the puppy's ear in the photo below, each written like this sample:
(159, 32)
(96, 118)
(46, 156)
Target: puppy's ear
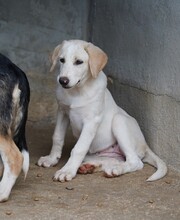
(54, 57)
(97, 59)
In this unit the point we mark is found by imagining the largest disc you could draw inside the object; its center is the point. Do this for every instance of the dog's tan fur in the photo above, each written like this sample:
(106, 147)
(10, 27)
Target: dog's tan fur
(14, 157)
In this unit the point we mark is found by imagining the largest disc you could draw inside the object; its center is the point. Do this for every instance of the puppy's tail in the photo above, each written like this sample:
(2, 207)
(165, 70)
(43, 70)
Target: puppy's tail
(154, 160)
(25, 166)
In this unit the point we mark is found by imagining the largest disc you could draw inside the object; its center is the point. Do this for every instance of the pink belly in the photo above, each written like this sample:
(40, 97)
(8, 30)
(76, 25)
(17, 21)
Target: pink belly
(113, 151)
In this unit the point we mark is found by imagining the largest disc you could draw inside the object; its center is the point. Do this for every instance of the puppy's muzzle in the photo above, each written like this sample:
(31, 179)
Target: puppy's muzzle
(64, 81)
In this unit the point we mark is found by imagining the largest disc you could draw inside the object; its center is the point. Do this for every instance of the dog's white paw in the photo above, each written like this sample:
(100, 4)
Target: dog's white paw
(4, 195)
(64, 174)
(6, 185)
(127, 167)
(113, 171)
(47, 161)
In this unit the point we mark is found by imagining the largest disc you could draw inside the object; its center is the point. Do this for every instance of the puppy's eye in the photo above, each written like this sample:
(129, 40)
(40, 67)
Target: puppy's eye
(62, 60)
(78, 62)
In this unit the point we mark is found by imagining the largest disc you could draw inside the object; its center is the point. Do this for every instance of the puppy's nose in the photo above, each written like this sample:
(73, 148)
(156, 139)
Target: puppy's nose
(63, 81)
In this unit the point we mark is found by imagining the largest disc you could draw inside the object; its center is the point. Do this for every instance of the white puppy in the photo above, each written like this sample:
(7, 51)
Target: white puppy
(108, 139)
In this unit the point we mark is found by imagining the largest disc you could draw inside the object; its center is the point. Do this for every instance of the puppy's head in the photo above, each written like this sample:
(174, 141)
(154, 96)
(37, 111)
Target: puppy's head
(79, 60)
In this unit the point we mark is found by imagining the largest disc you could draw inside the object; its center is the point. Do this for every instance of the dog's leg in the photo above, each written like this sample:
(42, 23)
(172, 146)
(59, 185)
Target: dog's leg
(128, 136)
(58, 142)
(78, 153)
(90, 164)
(96, 163)
(20, 141)
(12, 160)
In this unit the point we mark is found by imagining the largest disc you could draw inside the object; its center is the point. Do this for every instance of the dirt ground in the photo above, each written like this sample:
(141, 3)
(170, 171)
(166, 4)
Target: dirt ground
(89, 196)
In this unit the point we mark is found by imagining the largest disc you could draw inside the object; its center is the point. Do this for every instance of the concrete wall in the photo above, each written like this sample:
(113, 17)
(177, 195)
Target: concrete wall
(142, 39)
(29, 31)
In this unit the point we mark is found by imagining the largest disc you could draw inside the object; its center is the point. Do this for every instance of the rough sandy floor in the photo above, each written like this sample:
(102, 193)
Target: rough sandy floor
(88, 196)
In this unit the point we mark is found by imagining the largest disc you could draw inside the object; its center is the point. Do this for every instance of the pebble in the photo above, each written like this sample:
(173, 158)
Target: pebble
(8, 213)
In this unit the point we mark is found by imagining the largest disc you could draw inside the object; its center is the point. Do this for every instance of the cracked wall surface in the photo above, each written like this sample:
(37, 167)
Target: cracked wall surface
(142, 41)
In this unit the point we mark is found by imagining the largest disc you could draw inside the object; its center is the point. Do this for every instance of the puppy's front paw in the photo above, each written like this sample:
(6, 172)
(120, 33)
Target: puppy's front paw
(47, 161)
(64, 174)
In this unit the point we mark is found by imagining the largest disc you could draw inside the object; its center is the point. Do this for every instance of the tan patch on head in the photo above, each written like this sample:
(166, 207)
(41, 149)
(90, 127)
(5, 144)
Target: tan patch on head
(97, 59)
(54, 57)
(11, 155)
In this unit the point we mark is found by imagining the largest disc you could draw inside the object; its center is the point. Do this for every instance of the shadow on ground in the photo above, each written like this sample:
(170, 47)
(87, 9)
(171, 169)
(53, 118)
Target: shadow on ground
(92, 196)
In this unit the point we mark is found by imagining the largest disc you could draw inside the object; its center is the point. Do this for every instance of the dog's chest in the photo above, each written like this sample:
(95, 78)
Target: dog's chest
(77, 108)
(75, 116)
(76, 121)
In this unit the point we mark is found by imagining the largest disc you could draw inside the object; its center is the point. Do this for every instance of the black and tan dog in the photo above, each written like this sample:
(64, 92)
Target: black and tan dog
(14, 99)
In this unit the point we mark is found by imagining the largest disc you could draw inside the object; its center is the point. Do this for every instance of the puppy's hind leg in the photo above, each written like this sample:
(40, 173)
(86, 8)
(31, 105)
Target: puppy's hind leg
(12, 160)
(95, 163)
(129, 137)
(90, 164)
